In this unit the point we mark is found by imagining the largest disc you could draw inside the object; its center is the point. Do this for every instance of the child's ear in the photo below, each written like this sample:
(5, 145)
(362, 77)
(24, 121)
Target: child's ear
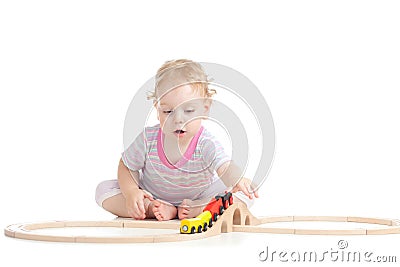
(207, 106)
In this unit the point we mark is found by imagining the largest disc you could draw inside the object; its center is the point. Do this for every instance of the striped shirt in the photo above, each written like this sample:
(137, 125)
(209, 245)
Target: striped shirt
(192, 177)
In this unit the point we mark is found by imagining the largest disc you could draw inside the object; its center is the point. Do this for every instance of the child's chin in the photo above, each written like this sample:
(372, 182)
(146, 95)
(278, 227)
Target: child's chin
(181, 135)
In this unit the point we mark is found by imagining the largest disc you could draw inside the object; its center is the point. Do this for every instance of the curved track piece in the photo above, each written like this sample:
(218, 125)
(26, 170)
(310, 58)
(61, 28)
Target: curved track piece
(237, 218)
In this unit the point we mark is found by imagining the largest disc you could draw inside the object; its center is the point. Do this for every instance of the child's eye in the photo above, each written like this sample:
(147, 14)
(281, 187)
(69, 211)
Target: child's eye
(167, 111)
(189, 110)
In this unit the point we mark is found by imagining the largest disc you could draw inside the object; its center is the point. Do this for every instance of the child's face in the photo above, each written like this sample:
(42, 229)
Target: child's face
(180, 112)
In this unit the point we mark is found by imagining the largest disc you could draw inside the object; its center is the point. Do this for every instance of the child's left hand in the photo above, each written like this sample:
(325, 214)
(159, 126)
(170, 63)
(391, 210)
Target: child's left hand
(246, 187)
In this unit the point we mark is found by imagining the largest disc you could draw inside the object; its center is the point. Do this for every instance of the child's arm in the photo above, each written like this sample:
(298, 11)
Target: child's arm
(129, 184)
(231, 175)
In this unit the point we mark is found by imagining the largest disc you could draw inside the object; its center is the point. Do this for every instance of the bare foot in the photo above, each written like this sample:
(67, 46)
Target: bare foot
(190, 208)
(163, 211)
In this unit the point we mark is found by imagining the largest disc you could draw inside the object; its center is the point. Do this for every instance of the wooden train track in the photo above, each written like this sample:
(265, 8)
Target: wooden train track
(237, 218)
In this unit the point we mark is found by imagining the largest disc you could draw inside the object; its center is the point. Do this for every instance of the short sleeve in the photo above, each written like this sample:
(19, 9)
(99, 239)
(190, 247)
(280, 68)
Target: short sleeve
(213, 153)
(134, 156)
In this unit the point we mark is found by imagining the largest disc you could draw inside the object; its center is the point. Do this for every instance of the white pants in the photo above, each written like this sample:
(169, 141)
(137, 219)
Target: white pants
(110, 188)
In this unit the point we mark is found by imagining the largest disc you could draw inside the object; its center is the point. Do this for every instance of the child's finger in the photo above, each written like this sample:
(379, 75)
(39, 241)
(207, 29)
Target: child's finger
(185, 212)
(131, 213)
(245, 190)
(234, 189)
(135, 211)
(140, 205)
(130, 209)
(138, 212)
(148, 195)
(255, 191)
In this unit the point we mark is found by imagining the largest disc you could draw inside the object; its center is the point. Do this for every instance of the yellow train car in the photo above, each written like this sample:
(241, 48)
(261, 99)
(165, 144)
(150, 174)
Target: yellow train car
(198, 224)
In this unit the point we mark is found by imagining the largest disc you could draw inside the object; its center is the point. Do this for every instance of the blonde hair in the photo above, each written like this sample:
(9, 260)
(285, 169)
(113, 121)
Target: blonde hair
(179, 72)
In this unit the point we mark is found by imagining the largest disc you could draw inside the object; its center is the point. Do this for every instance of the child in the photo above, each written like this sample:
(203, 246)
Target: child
(174, 168)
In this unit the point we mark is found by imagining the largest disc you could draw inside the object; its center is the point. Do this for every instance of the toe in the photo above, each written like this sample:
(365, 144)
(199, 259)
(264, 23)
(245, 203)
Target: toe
(185, 203)
(182, 216)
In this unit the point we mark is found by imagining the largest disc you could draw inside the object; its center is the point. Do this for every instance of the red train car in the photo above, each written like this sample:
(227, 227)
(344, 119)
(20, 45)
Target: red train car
(218, 204)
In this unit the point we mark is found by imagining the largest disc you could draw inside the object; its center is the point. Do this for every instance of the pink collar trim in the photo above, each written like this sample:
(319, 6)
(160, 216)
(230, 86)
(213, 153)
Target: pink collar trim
(186, 157)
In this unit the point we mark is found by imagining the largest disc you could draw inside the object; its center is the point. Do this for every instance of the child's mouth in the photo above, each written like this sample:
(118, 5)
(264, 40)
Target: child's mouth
(180, 132)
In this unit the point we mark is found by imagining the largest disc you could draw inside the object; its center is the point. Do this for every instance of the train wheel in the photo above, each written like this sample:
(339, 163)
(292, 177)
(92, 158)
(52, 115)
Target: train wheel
(199, 229)
(205, 227)
(210, 223)
(221, 210)
(231, 200)
(193, 230)
(215, 217)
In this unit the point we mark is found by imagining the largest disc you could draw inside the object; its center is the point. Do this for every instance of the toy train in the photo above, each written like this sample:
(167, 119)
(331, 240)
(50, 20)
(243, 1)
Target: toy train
(209, 215)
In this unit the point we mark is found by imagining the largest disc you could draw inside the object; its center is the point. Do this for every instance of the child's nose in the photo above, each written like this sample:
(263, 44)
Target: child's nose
(179, 117)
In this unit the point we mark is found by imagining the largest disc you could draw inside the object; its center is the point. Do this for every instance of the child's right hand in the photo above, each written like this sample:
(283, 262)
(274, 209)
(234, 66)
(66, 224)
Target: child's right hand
(135, 205)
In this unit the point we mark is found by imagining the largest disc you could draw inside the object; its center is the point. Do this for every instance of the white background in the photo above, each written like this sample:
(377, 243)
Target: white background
(328, 70)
